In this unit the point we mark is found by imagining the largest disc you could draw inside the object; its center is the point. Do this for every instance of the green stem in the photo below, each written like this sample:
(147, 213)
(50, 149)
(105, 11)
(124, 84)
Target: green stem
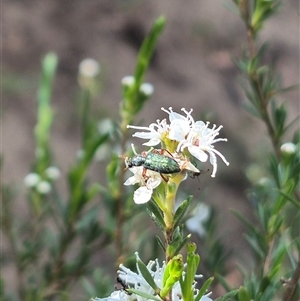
(170, 204)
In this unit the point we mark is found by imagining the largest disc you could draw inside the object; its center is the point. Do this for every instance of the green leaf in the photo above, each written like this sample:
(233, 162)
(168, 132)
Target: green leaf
(147, 49)
(147, 275)
(228, 296)
(181, 244)
(223, 282)
(181, 210)
(49, 66)
(133, 99)
(159, 241)
(289, 198)
(244, 220)
(204, 288)
(243, 294)
(156, 215)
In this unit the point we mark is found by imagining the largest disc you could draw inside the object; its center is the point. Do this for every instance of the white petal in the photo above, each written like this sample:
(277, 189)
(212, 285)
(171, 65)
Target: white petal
(198, 153)
(153, 182)
(142, 195)
(152, 142)
(131, 181)
(178, 130)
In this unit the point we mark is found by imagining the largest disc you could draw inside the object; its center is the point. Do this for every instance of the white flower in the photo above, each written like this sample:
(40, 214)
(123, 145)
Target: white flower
(200, 140)
(147, 89)
(52, 172)
(200, 215)
(147, 179)
(105, 126)
(43, 187)
(128, 81)
(31, 179)
(288, 148)
(89, 68)
(180, 125)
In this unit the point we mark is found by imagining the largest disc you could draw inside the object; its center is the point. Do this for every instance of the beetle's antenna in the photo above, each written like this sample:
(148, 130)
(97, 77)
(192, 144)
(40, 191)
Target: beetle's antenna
(133, 149)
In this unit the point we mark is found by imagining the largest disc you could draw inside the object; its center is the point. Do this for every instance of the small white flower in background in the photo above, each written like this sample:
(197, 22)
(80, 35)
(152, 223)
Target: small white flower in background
(43, 187)
(197, 137)
(288, 148)
(265, 182)
(52, 172)
(105, 126)
(147, 89)
(31, 179)
(89, 68)
(147, 179)
(128, 81)
(196, 223)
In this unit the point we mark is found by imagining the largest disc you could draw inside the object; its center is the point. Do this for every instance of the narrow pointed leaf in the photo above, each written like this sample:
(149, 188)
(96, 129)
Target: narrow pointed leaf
(293, 201)
(146, 274)
(156, 215)
(160, 243)
(204, 288)
(228, 296)
(181, 210)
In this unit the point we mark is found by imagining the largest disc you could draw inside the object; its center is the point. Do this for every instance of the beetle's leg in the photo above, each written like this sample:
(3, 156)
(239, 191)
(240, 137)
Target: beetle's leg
(163, 151)
(144, 154)
(165, 179)
(144, 172)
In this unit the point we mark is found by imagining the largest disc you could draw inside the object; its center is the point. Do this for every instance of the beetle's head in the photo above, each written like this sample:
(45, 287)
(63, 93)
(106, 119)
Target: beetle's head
(137, 160)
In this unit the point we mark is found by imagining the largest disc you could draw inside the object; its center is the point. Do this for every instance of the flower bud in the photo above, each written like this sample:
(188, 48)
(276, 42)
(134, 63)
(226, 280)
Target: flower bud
(31, 179)
(127, 81)
(288, 148)
(147, 89)
(89, 68)
(52, 172)
(43, 187)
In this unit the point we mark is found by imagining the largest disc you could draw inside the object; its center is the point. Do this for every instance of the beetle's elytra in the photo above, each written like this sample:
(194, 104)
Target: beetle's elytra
(156, 162)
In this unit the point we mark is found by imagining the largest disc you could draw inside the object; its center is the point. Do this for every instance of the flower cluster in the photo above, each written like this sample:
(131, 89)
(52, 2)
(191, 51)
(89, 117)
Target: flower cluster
(42, 185)
(184, 133)
(182, 141)
(136, 281)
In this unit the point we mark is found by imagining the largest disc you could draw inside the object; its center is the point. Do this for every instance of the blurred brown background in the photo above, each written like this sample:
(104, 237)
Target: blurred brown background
(191, 68)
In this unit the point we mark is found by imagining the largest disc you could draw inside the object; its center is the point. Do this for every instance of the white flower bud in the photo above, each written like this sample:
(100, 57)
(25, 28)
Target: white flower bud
(31, 179)
(43, 187)
(52, 172)
(264, 182)
(147, 89)
(105, 126)
(89, 68)
(288, 148)
(128, 80)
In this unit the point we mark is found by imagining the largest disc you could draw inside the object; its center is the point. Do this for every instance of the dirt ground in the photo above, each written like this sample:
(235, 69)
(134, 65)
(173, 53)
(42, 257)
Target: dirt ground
(191, 68)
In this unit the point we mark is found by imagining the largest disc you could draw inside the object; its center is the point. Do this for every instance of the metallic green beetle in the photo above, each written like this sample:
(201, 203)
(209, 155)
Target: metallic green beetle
(155, 161)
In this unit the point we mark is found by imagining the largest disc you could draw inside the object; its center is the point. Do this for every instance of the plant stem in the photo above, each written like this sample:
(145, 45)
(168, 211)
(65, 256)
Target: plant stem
(291, 284)
(263, 100)
(120, 217)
